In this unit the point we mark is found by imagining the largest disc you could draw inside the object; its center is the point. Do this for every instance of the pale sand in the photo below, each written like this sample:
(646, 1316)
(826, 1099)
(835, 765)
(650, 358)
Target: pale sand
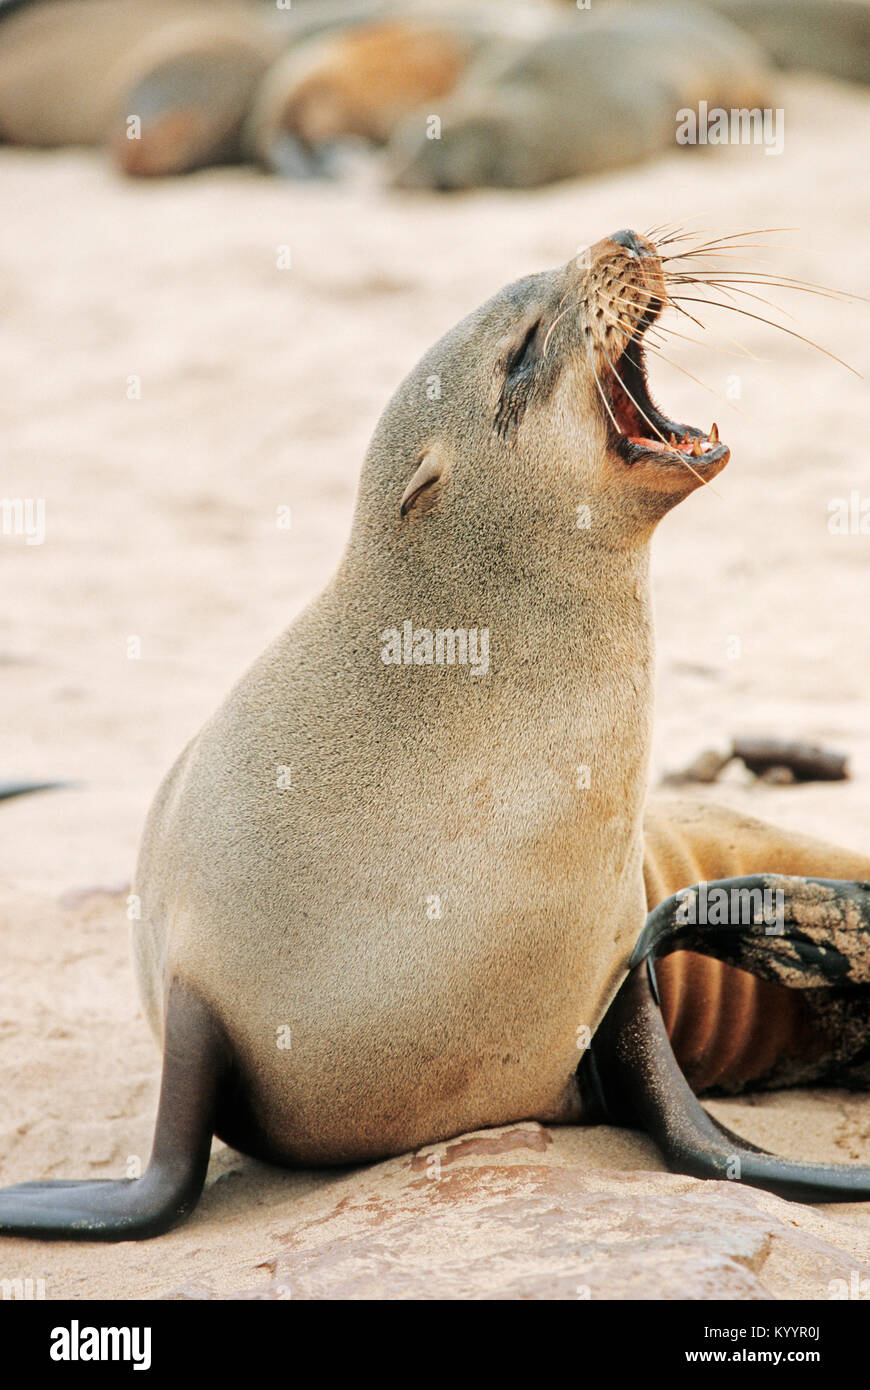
(260, 388)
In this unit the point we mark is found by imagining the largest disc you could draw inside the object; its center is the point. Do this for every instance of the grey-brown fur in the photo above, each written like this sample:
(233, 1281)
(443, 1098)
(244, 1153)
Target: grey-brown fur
(306, 907)
(594, 92)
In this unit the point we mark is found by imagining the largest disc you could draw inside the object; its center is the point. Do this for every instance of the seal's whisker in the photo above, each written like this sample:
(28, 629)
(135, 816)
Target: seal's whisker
(632, 303)
(742, 349)
(678, 229)
(732, 253)
(549, 332)
(560, 313)
(731, 237)
(680, 310)
(630, 330)
(723, 246)
(673, 226)
(667, 331)
(735, 278)
(621, 299)
(682, 235)
(738, 309)
(601, 391)
(734, 245)
(623, 386)
(730, 290)
(699, 382)
(662, 227)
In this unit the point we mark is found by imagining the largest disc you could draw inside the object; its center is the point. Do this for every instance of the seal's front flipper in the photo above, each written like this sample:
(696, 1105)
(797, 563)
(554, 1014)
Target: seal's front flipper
(10, 789)
(644, 1088)
(818, 939)
(195, 1061)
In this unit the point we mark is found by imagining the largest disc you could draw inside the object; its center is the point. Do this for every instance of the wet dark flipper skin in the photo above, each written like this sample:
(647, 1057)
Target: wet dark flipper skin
(10, 789)
(195, 1063)
(821, 941)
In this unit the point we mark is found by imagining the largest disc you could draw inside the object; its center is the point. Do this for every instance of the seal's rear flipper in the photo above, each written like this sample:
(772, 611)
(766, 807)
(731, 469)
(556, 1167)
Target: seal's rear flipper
(195, 1061)
(820, 940)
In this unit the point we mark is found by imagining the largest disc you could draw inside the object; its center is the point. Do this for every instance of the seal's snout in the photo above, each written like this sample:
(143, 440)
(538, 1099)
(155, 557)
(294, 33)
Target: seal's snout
(632, 266)
(637, 246)
(623, 286)
(625, 268)
(637, 261)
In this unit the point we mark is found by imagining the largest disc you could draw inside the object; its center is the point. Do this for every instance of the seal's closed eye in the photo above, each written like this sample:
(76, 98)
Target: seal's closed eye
(524, 355)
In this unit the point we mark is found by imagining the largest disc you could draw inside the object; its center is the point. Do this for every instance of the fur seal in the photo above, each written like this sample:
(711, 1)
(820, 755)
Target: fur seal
(519, 103)
(356, 84)
(360, 83)
(390, 881)
(596, 92)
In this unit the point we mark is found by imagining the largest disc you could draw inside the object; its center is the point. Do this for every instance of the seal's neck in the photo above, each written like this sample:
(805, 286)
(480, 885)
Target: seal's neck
(578, 649)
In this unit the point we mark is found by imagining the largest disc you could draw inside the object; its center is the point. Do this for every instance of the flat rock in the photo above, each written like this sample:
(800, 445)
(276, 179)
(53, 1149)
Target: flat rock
(505, 1214)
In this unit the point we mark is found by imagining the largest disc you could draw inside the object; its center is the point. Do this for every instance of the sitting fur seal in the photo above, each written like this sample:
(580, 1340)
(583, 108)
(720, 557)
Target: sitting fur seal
(401, 870)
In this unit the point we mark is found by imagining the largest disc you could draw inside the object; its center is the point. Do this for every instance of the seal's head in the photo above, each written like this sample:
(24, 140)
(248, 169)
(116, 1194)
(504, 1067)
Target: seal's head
(533, 407)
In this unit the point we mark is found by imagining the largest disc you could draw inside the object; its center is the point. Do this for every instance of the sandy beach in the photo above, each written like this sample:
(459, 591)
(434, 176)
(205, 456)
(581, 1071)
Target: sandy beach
(168, 389)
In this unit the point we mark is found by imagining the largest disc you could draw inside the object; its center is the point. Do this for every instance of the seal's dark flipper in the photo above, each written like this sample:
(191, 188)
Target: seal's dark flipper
(644, 1088)
(10, 789)
(801, 932)
(817, 938)
(195, 1061)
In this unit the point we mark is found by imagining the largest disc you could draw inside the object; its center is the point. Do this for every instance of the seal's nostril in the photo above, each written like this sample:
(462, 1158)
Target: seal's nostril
(629, 240)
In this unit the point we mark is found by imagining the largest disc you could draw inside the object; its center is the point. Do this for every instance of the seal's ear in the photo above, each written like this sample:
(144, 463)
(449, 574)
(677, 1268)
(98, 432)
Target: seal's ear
(422, 490)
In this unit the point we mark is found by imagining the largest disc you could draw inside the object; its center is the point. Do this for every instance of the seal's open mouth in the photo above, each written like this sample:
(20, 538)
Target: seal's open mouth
(638, 428)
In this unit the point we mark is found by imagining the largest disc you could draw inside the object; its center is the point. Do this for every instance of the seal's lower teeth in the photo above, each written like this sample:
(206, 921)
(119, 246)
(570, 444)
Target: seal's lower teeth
(690, 444)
